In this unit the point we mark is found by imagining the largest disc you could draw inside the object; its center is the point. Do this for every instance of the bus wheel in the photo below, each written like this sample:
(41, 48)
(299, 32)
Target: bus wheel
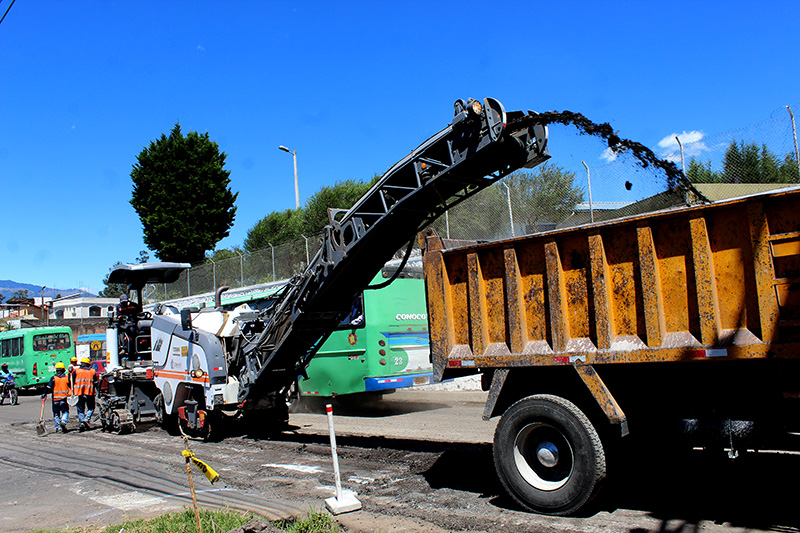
(548, 455)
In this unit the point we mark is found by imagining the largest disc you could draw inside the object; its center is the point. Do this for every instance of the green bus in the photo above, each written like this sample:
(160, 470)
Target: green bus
(32, 353)
(382, 346)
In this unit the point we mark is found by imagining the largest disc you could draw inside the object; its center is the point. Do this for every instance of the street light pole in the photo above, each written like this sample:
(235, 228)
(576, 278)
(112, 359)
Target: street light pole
(296, 188)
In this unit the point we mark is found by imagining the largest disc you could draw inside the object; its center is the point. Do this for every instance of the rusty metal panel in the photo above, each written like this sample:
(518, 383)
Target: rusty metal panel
(715, 282)
(574, 252)
(649, 276)
(556, 297)
(705, 281)
(530, 257)
(600, 282)
(515, 302)
(627, 306)
(678, 294)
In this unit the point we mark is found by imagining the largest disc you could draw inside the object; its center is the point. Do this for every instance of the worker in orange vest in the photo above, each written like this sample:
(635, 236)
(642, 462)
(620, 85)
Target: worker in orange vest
(60, 388)
(85, 387)
(71, 368)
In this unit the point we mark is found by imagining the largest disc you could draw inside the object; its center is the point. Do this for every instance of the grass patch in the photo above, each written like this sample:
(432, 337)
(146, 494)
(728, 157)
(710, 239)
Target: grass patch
(212, 521)
(184, 522)
(313, 522)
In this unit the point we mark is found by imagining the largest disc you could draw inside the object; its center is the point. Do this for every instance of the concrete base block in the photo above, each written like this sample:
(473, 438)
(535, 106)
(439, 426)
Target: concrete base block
(347, 503)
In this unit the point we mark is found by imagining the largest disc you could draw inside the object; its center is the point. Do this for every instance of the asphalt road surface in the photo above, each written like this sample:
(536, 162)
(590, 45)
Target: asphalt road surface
(417, 461)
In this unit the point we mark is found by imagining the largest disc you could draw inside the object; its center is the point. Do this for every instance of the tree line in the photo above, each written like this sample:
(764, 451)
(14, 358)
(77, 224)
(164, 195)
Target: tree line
(746, 163)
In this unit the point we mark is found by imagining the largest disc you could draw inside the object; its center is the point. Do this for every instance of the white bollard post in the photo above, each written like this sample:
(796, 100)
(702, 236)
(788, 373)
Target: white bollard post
(341, 503)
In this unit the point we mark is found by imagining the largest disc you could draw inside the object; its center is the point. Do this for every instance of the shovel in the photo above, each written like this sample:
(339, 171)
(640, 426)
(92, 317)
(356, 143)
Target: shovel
(72, 399)
(40, 429)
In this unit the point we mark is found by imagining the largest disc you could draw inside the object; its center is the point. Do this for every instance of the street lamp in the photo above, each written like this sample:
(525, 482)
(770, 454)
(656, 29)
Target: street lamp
(296, 188)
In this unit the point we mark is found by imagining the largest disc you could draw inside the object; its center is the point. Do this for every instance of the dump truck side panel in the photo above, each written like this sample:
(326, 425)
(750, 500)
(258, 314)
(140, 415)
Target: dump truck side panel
(706, 283)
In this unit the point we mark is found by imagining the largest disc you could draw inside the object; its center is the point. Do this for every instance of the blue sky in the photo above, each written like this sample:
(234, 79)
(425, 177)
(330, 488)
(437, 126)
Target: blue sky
(351, 86)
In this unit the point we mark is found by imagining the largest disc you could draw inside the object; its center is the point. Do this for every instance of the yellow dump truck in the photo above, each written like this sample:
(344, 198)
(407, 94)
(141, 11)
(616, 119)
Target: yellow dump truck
(678, 323)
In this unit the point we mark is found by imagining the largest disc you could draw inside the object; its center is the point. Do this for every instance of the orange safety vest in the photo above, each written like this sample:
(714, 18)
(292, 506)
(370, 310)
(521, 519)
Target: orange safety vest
(60, 387)
(84, 381)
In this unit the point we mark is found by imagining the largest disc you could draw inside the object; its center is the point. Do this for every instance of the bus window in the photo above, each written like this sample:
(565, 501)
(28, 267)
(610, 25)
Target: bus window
(12, 347)
(63, 341)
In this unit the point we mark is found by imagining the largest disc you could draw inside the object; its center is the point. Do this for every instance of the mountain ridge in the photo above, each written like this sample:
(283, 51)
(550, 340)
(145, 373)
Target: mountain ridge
(9, 287)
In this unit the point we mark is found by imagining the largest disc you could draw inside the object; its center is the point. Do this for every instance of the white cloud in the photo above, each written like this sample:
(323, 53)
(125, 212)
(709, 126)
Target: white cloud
(608, 155)
(200, 47)
(686, 138)
(692, 142)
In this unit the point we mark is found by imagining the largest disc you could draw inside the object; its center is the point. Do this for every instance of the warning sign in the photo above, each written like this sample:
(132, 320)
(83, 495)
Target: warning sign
(96, 346)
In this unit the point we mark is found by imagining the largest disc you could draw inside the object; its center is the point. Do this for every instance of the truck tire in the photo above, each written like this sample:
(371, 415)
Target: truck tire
(168, 422)
(293, 398)
(548, 455)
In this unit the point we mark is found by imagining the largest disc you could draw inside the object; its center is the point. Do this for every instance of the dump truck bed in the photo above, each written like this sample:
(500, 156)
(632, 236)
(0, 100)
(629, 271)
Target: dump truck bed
(707, 283)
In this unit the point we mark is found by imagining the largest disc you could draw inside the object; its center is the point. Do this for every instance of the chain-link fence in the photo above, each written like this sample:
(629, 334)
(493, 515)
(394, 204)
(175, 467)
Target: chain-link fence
(583, 182)
(243, 270)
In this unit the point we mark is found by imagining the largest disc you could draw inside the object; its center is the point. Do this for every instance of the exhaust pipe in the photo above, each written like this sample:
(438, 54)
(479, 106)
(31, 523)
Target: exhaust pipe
(218, 296)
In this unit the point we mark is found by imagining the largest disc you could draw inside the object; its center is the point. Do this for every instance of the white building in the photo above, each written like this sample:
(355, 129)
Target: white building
(77, 306)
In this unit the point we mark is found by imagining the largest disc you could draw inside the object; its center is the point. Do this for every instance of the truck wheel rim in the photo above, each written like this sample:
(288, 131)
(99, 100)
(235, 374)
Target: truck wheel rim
(543, 456)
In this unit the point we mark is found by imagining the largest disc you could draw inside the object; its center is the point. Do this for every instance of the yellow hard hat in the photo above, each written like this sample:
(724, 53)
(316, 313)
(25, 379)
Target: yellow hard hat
(73, 360)
(60, 366)
(86, 360)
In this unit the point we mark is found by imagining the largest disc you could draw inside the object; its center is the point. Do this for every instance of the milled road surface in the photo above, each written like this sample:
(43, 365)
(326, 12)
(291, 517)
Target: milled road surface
(418, 461)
